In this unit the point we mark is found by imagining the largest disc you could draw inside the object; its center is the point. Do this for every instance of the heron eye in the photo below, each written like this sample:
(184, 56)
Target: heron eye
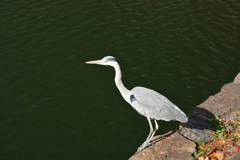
(106, 61)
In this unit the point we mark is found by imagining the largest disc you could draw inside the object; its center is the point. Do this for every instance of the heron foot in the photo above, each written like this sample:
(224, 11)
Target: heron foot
(143, 146)
(152, 144)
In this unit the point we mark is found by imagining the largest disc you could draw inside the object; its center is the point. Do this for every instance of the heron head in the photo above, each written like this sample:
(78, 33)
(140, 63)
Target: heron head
(107, 61)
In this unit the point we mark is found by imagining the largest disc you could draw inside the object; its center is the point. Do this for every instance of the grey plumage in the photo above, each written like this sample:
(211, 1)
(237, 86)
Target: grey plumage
(150, 103)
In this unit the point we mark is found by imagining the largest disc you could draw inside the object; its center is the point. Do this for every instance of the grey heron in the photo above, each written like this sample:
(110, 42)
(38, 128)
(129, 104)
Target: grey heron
(146, 102)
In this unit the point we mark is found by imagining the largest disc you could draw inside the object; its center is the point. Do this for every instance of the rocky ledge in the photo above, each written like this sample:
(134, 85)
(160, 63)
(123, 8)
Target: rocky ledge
(172, 146)
(168, 146)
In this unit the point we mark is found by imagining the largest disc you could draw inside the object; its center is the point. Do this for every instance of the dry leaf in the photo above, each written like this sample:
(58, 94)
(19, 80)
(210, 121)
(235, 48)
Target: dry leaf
(219, 155)
(206, 158)
(237, 148)
(213, 155)
(219, 142)
(223, 120)
(209, 152)
(201, 158)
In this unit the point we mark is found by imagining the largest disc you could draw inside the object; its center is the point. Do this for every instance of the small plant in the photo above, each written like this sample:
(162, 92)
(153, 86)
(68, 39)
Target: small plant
(221, 143)
(201, 142)
(233, 138)
(237, 119)
(237, 111)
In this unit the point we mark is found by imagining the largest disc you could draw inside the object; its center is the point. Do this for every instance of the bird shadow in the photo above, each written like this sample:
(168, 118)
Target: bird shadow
(160, 137)
(199, 119)
(198, 126)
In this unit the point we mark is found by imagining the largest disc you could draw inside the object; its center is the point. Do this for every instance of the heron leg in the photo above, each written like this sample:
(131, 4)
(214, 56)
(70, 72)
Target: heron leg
(156, 128)
(149, 135)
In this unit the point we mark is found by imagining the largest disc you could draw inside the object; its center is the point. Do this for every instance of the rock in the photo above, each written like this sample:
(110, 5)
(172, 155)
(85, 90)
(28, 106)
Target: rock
(169, 146)
(225, 104)
(197, 129)
(235, 157)
(237, 78)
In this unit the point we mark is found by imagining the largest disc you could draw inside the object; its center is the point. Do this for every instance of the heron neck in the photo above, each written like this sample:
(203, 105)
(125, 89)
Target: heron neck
(118, 81)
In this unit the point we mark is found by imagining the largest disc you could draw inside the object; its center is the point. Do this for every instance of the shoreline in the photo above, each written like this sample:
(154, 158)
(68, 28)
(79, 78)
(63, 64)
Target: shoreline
(182, 145)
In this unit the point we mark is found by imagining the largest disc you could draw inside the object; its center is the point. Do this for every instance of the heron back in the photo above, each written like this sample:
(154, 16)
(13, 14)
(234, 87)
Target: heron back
(151, 104)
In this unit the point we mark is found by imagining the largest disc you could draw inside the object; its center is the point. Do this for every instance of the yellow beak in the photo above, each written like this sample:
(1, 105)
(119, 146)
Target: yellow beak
(93, 62)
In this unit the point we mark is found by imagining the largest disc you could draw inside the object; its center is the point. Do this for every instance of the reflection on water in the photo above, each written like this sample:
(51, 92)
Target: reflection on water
(53, 106)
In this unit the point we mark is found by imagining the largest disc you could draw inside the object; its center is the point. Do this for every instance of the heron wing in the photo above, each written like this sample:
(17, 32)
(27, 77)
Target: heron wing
(151, 104)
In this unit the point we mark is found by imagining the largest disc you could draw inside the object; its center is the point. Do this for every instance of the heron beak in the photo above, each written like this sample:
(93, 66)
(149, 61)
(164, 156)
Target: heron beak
(93, 62)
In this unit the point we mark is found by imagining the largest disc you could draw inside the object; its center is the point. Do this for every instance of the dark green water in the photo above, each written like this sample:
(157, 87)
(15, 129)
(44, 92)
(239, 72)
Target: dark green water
(54, 106)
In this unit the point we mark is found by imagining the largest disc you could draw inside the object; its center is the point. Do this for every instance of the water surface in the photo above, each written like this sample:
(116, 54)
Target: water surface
(54, 106)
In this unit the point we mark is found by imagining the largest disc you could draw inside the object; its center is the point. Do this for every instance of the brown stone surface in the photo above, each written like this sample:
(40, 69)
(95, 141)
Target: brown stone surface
(237, 78)
(170, 146)
(225, 104)
(235, 157)
(197, 129)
